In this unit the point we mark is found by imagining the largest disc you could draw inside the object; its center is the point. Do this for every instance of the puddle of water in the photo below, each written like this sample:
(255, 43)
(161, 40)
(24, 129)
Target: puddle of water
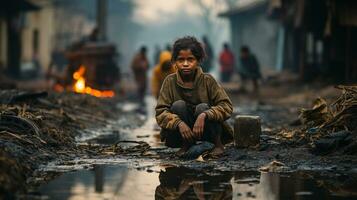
(126, 127)
(117, 179)
(147, 132)
(119, 182)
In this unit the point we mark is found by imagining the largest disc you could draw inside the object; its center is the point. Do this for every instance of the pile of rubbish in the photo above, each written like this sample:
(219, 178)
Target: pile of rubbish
(340, 115)
(329, 127)
(36, 127)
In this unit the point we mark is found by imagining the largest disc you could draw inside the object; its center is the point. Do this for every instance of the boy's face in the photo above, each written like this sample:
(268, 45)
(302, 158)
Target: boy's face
(186, 62)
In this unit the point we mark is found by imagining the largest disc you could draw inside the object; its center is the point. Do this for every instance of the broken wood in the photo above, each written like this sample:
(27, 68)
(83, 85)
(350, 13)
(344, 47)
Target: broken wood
(18, 124)
(16, 136)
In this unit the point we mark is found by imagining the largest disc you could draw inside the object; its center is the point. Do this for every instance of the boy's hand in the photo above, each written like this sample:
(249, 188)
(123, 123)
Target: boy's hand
(199, 125)
(186, 132)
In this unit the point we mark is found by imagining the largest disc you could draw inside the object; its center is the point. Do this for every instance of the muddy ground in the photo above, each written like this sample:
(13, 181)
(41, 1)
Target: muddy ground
(38, 127)
(73, 131)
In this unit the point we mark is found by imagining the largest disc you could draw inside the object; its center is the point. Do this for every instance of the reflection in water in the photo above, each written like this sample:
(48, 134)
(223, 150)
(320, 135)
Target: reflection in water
(147, 132)
(183, 183)
(99, 178)
(119, 182)
(100, 183)
(299, 185)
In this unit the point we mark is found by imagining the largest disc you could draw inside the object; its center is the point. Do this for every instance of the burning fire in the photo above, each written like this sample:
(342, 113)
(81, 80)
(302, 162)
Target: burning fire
(80, 85)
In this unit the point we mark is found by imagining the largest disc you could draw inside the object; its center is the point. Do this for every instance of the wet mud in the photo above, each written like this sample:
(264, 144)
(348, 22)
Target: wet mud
(109, 158)
(298, 167)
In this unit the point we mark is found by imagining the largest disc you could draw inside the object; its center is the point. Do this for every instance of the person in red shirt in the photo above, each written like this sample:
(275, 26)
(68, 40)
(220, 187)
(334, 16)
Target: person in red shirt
(226, 61)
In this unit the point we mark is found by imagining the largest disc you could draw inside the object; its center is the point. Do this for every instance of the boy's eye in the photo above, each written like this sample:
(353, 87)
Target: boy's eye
(180, 59)
(191, 59)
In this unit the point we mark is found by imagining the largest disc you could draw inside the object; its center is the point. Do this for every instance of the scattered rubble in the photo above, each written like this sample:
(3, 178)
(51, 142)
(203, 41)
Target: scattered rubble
(273, 166)
(328, 127)
(36, 127)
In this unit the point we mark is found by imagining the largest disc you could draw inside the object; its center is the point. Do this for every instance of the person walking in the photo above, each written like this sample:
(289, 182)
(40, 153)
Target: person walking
(161, 71)
(250, 69)
(226, 61)
(140, 66)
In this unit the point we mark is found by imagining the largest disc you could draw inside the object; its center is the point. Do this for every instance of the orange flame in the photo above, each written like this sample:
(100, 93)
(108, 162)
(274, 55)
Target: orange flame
(80, 85)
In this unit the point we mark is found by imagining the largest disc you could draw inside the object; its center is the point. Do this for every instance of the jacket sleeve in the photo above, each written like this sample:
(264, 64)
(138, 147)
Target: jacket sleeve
(164, 117)
(221, 106)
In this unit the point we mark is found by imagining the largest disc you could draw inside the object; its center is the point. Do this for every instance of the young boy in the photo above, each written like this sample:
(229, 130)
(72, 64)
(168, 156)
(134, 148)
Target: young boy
(192, 106)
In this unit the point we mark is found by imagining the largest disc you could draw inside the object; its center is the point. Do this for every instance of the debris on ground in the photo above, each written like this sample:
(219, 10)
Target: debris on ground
(340, 115)
(140, 148)
(328, 127)
(36, 127)
(273, 166)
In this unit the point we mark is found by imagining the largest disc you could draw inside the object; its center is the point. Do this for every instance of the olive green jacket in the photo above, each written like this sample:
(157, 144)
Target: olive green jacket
(205, 90)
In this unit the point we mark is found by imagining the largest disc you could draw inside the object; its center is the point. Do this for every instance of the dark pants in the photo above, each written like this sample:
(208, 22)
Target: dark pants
(244, 79)
(226, 76)
(140, 78)
(211, 132)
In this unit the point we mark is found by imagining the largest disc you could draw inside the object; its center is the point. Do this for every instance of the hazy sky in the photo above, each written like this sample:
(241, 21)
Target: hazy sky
(163, 21)
(152, 11)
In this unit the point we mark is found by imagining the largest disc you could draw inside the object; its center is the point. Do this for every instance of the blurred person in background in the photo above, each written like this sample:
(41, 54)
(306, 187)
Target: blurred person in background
(250, 69)
(226, 61)
(94, 35)
(140, 66)
(207, 63)
(192, 106)
(161, 71)
(157, 54)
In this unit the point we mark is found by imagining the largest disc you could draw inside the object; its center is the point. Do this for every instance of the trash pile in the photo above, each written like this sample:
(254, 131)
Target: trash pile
(340, 115)
(36, 127)
(329, 127)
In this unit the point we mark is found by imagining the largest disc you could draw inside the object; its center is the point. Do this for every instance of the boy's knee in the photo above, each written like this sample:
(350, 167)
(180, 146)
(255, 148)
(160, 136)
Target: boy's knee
(200, 108)
(178, 106)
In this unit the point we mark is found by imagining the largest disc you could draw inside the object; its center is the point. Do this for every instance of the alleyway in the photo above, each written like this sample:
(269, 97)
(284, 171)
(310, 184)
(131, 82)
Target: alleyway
(259, 96)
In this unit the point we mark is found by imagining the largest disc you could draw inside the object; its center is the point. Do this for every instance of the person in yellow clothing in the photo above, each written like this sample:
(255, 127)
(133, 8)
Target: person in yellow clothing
(161, 71)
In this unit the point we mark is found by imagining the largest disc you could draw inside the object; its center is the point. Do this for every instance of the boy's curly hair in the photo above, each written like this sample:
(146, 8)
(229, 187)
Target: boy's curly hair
(188, 43)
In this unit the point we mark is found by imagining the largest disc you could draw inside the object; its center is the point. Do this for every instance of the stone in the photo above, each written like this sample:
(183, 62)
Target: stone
(247, 131)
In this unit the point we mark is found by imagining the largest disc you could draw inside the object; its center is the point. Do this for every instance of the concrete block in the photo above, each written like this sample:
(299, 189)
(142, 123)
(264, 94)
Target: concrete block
(247, 130)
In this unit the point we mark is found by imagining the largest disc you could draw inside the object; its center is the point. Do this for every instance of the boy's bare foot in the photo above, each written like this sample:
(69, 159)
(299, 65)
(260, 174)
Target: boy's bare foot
(217, 151)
